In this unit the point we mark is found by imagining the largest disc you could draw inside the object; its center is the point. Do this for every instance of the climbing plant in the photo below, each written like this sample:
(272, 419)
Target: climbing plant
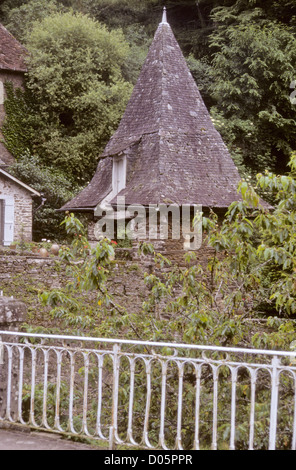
(18, 131)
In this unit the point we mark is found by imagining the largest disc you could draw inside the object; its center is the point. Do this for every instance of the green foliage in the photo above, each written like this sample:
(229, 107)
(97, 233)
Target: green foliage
(118, 13)
(89, 274)
(139, 43)
(18, 129)
(201, 72)
(51, 394)
(54, 186)
(20, 19)
(253, 65)
(75, 77)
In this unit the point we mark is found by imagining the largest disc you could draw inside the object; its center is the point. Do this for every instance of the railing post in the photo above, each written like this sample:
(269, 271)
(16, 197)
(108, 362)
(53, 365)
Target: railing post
(274, 402)
(1, 352)
(113, 427)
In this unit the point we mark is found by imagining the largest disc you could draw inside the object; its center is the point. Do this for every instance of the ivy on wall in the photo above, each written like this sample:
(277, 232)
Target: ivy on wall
(16, 130)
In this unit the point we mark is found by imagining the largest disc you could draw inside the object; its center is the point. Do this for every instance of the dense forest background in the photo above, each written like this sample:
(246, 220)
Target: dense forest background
(85, 56)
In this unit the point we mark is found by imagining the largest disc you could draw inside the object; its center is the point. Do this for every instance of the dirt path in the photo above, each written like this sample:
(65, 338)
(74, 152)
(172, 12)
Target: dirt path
(17, 440)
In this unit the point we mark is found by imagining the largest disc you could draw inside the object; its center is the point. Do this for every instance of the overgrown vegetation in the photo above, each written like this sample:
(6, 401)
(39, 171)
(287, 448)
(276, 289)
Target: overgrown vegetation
(56, 189)
(229, 302)
(250, 276)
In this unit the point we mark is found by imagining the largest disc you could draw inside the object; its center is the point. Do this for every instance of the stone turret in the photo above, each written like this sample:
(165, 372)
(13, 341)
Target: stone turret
(166, 151)
(168, 145)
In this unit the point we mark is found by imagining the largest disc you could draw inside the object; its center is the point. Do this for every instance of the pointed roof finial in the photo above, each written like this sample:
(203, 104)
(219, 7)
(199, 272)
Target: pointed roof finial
(164, 16)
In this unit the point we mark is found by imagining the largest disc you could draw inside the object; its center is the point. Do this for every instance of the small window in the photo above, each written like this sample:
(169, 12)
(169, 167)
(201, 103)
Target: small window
(119, 174)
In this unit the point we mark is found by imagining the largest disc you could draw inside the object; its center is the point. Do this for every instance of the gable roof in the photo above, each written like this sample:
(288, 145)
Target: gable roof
(12, 53)
(18, 182)
(174, 153)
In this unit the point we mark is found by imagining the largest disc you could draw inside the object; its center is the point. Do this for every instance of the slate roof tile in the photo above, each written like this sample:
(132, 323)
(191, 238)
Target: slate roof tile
(12, 53)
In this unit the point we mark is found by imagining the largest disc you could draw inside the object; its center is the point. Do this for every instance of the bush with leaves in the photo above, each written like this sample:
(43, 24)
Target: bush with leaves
(54, 187)
(253, 66)
(20, 18)
(216, 304)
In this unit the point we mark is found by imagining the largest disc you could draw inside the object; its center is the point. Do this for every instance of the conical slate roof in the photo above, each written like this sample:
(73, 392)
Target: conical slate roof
(174, 153)
(12, 53)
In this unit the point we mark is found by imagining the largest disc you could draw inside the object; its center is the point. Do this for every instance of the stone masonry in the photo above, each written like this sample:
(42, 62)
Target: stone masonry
(22, 208)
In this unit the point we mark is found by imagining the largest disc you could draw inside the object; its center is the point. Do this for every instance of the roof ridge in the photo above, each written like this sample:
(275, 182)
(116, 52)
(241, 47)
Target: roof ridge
(162, 24)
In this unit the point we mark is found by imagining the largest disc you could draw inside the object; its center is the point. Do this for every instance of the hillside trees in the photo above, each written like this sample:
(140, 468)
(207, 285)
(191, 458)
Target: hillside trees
(253, 66)
(77, 91)
(20, 18)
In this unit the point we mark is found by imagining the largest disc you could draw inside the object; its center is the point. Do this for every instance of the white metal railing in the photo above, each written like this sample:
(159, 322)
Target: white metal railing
(149, 394)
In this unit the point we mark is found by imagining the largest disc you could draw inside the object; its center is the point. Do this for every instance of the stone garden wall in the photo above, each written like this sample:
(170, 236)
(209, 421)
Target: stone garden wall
(25, 275)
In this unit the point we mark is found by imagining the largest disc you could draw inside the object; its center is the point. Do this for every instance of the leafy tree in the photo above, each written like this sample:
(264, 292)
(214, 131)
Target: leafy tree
(55, 188)
(20, 19)
(79, 94)
(116, 13)
(7, 5)
(249, 275)
(139, 43)
(253, 65)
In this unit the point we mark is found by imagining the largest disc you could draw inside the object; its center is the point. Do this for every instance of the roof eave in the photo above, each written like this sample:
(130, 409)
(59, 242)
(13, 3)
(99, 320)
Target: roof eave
(76, 209)
(13, 69)
(20, 183)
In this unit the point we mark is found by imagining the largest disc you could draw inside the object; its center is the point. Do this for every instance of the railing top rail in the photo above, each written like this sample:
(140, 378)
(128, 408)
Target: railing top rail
(152, 343)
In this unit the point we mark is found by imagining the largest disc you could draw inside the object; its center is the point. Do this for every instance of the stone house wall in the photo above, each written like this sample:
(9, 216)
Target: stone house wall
(12, 315)
(22, 208)
(173, 249)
